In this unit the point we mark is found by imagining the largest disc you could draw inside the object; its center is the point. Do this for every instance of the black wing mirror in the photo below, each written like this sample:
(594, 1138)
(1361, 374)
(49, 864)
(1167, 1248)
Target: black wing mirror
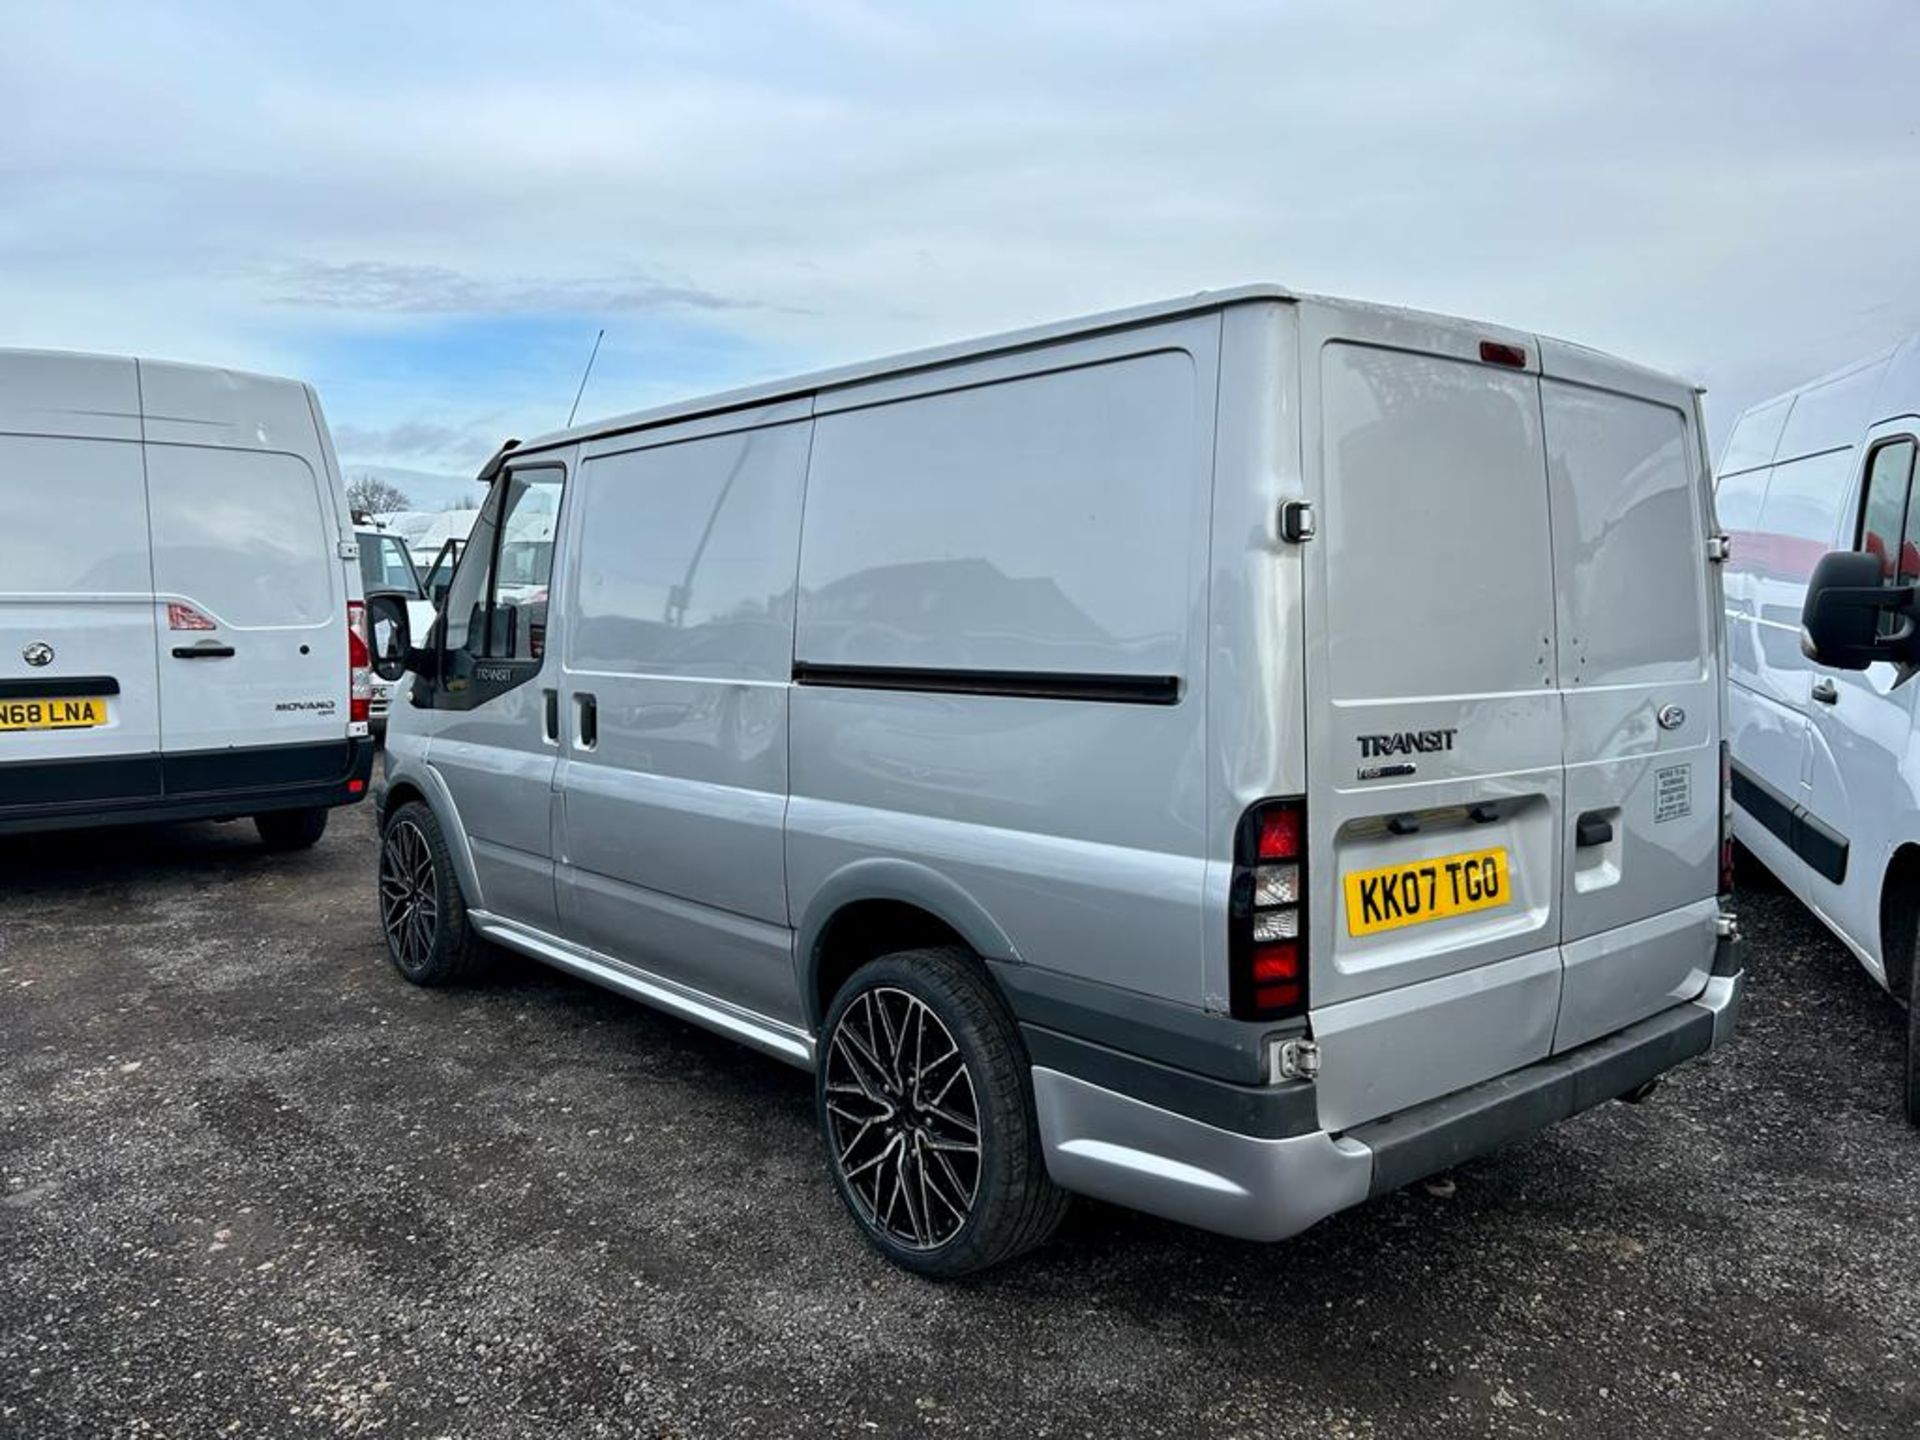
(1840, 619)
(393, 652)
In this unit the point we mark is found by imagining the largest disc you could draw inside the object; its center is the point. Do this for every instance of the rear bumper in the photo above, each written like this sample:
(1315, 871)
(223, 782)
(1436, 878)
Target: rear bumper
(1113, 1146)
(196, 785)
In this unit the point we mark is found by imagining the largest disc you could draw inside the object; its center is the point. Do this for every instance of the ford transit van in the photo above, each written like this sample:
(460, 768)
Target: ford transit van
(1231, 757)
(1816, 490)
(181, 628)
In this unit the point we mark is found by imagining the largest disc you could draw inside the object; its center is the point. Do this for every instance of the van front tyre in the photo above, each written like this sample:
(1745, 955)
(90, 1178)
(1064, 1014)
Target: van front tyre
(291, 829)
(926, 1113)
(422, 913)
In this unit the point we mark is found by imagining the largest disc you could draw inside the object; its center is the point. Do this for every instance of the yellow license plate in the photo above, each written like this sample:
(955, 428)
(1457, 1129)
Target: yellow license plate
(55, 713)
(1423, 890)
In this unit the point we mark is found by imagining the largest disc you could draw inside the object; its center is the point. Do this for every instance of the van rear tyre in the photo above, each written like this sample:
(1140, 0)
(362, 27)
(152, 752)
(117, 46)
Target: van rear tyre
(422, 912)
(926, 1113)
(1913, 1059)
(291, 829)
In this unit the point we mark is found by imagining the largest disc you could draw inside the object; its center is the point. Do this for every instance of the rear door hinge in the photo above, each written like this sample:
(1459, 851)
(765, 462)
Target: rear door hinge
(1719, 547)
(1293, 1060)
(1297, 523)
(349, 549)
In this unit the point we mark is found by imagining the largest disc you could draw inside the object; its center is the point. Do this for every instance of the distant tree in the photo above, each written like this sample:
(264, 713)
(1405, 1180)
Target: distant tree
(376, 496)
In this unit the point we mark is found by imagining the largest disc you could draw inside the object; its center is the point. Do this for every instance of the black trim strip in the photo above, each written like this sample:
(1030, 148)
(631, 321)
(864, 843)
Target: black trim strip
(78, 687)
(1271, 1112)
(1799, 829)
(1022, 684)
(104, 788)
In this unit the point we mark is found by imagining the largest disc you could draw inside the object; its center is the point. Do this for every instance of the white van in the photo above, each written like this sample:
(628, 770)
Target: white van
(387, 567)
(181, 627)
(1230, 757)
(1826, 776)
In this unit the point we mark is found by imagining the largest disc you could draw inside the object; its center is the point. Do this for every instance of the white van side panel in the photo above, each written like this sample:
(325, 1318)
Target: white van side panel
(1018, 520)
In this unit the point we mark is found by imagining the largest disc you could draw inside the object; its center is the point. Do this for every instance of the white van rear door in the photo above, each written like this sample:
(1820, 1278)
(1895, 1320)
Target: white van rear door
(79, 719)
(1639, 679)
(1434, 733)
(246, 541)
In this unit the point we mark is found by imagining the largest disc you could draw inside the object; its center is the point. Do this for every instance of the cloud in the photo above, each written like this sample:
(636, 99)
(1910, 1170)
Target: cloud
(413, 438)
(376, 286)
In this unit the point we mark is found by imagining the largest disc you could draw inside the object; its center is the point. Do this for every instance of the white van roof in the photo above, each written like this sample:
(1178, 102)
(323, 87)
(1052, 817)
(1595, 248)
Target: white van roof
(1829, 413)
(60, 392)
(1584, 363)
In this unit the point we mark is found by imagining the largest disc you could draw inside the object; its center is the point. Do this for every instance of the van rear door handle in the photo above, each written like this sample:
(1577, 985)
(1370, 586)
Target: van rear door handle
(1826, 692)
(205, 650)
(550, 700)
(1592, 830)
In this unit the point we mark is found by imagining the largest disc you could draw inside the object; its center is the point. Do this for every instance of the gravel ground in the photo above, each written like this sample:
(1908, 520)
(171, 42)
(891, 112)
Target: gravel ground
(252, 1184)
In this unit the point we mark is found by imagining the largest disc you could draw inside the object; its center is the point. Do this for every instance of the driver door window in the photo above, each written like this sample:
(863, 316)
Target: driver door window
(496, 609)
(1889, 527)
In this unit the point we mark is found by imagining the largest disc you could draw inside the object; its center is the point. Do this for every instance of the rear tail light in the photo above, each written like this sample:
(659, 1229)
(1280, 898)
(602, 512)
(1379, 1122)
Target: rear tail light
(1726, 818)
(359, 664)
(182, 616)
(1267, 935)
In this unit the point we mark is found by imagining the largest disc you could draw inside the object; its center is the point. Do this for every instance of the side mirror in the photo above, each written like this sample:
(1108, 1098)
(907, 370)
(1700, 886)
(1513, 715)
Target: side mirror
(392, 636)
(1840, 618)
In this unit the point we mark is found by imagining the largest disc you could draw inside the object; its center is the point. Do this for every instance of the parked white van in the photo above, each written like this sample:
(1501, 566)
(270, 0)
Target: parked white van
(181, 627)
(1826, 765)
(1231, 757)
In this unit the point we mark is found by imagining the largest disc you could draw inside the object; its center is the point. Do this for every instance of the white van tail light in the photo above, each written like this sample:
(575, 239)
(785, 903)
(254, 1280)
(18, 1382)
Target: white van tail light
(182, 616)
(359, 665)
(1267, 927)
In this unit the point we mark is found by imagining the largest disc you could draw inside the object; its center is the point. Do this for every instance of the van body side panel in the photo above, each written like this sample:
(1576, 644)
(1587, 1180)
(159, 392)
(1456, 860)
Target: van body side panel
(679, 599)
(1020, 532)
(1256, 707)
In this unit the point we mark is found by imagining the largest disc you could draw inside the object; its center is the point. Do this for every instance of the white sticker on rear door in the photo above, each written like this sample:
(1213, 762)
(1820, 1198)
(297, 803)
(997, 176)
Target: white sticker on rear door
(1672, 793)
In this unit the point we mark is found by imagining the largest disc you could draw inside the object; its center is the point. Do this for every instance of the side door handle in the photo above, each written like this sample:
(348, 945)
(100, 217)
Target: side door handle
(586, 720)
(1824, 690)
(205, 650)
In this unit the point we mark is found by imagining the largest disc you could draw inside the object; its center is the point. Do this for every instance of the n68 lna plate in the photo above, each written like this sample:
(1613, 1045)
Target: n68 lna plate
(53, 714)
(1422, 890)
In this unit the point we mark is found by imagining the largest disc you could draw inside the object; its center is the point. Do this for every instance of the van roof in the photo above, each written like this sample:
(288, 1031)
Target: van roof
(1829, 412)
(67, 392)
(796, 386)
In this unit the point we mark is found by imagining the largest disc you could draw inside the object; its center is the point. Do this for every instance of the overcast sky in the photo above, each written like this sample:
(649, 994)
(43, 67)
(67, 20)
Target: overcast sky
(429, 213)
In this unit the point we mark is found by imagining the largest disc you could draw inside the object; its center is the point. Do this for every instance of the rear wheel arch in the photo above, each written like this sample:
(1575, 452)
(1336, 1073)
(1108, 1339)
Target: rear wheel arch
(878, 907)
(1900, 920)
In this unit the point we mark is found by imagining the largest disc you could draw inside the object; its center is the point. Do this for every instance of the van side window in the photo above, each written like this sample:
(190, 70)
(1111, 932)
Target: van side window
(1883, 516)
(497, 607)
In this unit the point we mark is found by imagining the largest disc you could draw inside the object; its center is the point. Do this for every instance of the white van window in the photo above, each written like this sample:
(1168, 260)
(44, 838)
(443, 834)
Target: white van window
(687, 557)
(1736, 501)
(1756, 436)
(76, 517)
(497, 608)
(387, 564)
(241, 534)
(1883, 515)
(1039, 525)
(1803, 504)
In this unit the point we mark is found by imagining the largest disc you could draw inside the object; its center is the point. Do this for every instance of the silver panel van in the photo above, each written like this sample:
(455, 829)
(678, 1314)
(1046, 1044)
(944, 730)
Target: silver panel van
(1231, 757)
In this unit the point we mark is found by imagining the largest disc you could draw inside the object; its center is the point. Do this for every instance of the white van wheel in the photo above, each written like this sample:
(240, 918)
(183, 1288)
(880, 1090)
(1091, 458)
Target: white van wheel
(291, 829)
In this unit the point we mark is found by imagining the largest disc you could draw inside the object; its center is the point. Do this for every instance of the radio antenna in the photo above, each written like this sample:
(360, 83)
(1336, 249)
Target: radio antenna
(593, 355)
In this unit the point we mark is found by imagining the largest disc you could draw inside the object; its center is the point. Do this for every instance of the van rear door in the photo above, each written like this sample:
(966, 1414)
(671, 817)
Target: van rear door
(1639, 680)
(1437, 814)
(79, 718)
(250, 588)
